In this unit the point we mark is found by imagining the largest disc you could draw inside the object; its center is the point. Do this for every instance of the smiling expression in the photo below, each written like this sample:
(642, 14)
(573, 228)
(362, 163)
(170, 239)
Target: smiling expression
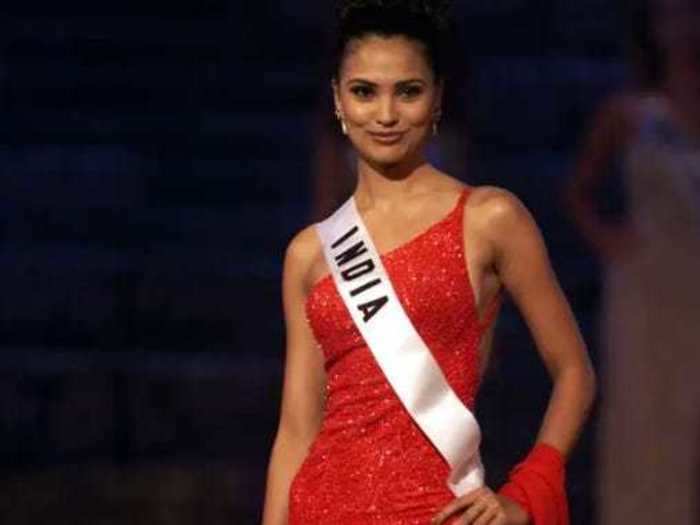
(388, 96)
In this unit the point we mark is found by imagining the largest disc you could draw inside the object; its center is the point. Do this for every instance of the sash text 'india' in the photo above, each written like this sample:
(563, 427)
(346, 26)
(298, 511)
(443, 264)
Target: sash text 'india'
(364, 268)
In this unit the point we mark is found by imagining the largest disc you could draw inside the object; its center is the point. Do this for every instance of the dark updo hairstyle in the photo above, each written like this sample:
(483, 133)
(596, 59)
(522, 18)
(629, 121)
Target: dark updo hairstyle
(426, 21)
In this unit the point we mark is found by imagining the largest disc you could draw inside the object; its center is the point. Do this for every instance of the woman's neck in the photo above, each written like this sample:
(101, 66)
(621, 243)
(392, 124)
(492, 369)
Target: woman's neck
(384, 186)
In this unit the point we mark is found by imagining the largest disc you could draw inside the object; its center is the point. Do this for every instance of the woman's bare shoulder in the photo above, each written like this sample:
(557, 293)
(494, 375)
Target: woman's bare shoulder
(493, 211)
(505, 228)
(302, 250)
(491, 201)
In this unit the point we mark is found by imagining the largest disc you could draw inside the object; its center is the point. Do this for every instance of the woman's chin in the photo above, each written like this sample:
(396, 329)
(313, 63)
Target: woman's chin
(388, 159)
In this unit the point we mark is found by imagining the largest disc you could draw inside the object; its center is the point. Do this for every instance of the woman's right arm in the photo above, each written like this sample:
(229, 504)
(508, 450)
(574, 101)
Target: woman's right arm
(612, 125)
(304, 383)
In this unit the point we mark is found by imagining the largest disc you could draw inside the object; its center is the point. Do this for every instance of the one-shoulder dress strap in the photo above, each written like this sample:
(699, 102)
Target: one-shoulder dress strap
(496, 301)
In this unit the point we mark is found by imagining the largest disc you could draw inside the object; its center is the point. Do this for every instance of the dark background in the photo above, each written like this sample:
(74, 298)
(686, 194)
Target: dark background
(155, 159)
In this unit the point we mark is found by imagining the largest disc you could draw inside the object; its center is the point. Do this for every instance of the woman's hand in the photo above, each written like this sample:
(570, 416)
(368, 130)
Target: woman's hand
(482, 507)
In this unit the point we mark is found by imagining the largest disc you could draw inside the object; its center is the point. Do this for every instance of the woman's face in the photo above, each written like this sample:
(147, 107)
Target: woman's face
(388, 97)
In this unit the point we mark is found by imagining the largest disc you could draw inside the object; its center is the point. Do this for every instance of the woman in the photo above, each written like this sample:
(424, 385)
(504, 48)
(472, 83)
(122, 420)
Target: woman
(346, 450)
(650, 320)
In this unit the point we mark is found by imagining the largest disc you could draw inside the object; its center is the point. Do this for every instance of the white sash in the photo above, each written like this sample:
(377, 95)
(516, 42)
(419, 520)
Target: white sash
(401, 353)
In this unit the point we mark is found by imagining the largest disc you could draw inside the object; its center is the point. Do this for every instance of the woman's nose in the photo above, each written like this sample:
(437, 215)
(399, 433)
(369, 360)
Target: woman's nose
(386, 112)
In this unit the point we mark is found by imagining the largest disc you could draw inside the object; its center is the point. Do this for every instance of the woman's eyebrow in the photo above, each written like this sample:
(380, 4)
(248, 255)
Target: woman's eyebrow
(360, 80)
(410, 81)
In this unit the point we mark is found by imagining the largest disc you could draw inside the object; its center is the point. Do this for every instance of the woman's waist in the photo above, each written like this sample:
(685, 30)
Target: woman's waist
(373, 415)
(350, 401)
(396, 462)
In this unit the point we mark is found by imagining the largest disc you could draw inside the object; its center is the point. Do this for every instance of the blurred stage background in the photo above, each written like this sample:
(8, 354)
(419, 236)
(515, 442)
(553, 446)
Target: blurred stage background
(155, 158)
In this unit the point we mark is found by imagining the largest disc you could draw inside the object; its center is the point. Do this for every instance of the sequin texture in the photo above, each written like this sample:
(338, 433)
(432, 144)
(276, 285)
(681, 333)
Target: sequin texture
(370, 462)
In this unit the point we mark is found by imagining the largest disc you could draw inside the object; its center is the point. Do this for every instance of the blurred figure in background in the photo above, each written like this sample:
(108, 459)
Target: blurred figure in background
(650, 317)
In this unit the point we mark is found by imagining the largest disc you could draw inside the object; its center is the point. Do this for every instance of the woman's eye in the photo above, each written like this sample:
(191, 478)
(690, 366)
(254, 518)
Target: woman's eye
(361, 91)
(411, 91)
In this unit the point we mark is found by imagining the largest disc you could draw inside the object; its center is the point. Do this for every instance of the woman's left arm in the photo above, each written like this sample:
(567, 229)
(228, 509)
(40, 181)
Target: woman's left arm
(519, 256)
(521, 260)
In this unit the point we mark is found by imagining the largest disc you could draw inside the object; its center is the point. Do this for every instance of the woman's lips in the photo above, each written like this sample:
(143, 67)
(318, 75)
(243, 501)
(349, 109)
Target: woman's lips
(387, 137)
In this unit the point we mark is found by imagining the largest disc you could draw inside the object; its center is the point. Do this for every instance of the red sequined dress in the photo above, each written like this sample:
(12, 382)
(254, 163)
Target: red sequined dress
(370, 463)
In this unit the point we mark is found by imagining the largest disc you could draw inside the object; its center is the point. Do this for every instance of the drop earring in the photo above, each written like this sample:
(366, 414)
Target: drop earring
(343, 126)
(436, 120)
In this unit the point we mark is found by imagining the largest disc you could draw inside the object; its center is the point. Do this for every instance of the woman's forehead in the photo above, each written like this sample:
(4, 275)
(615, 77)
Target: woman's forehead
(385, 59)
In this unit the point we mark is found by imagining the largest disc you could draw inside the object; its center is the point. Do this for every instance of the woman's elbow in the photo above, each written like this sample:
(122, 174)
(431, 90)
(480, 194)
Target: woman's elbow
(586, 383)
